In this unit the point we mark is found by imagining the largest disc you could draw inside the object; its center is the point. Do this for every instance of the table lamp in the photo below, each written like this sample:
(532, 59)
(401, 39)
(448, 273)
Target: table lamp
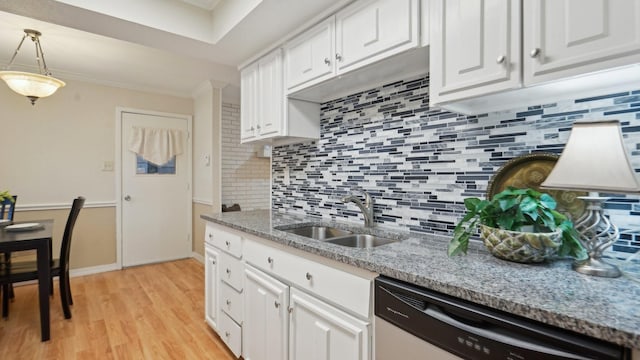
(594, 160)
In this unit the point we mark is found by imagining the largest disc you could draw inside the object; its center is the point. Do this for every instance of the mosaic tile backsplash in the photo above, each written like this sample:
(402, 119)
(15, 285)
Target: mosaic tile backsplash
(419, 163)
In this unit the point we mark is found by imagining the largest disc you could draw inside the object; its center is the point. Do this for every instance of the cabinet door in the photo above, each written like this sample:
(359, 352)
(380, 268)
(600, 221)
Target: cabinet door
(248, 101)
(211, 285)
(370, 30)
(266, 328)
(319, 331)
(270, 94)
(475, 48)
(309, 58)
(570, 37)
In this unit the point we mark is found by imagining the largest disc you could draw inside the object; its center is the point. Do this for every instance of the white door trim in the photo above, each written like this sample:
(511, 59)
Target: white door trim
(118, 173)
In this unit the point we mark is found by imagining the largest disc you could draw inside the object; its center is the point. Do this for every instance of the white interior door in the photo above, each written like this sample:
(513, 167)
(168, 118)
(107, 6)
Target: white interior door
(155, 200)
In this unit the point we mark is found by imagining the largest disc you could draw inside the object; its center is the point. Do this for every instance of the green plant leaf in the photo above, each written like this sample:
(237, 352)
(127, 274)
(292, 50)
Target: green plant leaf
(528, 205)
(507, 203)
(471, 203)
(548, 201)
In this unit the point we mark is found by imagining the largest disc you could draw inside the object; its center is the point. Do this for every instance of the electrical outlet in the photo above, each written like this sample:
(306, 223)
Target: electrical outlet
(107, 165)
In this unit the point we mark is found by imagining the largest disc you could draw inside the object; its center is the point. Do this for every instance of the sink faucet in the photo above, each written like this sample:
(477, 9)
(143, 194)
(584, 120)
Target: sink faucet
(366, 208)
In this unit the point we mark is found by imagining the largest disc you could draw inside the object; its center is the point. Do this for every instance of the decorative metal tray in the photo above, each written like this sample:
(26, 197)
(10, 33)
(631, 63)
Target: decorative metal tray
(529, 171)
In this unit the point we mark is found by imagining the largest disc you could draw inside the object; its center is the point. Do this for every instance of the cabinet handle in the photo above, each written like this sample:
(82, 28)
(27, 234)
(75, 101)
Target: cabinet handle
(308, 276)
(226, 333)
(501, 59)
(213, 262)
(338, 57)
(228, 272)
(270, 260)
(276, 304)
(327, 61)
(258, 126)
(228, 243)
(210, 236)
(252, 128)
(535, 52)
(228, 302)
(290, 309)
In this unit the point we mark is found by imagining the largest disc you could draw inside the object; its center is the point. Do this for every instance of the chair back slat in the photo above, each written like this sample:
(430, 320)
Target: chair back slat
(65, 247)
(7, 208)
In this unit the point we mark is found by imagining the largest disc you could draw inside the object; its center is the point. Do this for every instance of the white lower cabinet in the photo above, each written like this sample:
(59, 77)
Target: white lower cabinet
(321, 331)
(231, 333)
(211, 281)
(271, 302)
(265, 316)
(223, 284)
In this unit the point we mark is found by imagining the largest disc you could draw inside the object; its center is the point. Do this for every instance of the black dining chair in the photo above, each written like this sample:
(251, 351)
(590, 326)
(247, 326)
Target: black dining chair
(28, 270)
(7, 209)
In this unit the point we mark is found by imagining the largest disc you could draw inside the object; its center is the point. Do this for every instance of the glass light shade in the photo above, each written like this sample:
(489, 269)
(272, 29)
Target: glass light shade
(30, 84)
(594, 159)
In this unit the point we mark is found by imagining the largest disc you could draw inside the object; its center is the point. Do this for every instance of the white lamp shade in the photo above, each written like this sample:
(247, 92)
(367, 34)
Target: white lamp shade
(594, 159)
(30, 84)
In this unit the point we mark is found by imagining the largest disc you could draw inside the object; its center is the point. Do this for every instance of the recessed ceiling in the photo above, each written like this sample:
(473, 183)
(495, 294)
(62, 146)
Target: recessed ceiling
(157, 45)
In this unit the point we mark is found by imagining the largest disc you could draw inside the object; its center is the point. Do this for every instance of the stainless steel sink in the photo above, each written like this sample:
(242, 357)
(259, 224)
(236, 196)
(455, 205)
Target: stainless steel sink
(361, 241)
(318, 232)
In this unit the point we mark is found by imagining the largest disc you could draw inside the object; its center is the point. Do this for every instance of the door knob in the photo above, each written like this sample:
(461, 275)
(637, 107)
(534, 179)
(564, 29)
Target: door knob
(501, 59)
(127, 198)
(535, 52)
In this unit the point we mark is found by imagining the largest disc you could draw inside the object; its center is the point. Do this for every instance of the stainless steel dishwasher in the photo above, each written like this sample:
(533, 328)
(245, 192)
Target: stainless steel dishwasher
(415, 323)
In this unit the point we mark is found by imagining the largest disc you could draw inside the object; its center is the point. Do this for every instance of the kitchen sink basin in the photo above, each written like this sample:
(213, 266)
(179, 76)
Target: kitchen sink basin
(361, 241)
(318, 232)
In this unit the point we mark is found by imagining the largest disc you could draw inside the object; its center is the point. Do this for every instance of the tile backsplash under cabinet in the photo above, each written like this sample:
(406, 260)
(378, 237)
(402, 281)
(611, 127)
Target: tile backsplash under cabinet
(419, 163)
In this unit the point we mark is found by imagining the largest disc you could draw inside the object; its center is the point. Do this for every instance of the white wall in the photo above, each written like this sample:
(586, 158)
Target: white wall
(245, 177)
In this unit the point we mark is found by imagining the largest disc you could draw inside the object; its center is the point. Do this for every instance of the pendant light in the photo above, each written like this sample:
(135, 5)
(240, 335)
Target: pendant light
(32, 85)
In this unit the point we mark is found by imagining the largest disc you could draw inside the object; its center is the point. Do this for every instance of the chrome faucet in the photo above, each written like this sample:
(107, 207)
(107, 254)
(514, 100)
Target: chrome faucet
(366, 208)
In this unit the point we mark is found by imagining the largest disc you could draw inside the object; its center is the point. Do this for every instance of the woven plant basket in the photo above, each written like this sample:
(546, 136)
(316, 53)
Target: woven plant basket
(522, 247)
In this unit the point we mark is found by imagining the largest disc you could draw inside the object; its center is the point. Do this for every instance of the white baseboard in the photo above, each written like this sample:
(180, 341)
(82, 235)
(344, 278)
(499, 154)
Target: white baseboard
(94, 270)
(198, 257)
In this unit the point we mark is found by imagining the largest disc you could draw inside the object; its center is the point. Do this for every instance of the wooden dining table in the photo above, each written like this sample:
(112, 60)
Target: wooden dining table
(38, 239)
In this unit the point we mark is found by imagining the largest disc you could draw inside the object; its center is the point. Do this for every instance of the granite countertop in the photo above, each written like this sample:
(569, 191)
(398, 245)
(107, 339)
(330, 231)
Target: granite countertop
(608, 309)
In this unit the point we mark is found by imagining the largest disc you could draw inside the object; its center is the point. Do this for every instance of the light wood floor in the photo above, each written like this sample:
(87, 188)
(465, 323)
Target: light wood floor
(147, 312)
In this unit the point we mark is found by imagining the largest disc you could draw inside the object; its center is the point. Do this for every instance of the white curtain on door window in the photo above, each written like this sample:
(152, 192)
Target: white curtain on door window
(155, 145)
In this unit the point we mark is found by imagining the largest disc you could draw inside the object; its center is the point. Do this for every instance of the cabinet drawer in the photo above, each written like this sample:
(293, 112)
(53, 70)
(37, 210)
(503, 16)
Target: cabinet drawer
(230, 242)
(231, 271)
(231, 334)
(231, 302)
(342, 288)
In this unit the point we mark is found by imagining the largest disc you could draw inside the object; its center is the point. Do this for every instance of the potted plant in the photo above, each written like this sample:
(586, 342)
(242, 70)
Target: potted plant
(518, 225)
(5, 195)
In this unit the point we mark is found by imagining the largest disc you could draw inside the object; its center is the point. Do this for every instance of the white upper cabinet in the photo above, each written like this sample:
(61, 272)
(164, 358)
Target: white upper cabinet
(569, 37)
(494, 55)
(309, 58)
(370, 30)
(475, 48)
(248, 102)
(270, 94)
(262, 98)
(365, 32)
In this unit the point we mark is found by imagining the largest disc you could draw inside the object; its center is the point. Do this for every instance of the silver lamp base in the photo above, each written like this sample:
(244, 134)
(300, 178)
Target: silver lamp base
(597, 233)
(596, 267)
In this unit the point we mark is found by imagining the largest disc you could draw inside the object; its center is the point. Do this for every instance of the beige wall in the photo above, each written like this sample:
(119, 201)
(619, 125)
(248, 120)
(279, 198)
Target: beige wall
(93, 241)
(198, 227)
(55, 151)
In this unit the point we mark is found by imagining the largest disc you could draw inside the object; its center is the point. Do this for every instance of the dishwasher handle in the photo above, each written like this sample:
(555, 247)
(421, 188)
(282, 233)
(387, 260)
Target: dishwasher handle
(436, 313)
